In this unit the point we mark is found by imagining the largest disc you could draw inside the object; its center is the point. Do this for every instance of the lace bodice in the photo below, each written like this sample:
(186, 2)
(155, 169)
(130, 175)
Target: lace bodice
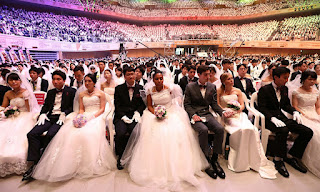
(109, 91)
(162, 98)
(226, 98)
(20, 103)
(307, 101)
(91, 104)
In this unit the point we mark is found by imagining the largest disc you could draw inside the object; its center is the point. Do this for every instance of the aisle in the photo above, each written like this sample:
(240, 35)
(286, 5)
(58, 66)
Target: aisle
(119, 181)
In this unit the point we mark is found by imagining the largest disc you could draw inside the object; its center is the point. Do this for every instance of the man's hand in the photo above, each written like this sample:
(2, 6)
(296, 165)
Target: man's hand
(196, 118)
(43, 117)
(277, 122)
(136, 117)
(126, 119)
(62, 118)
(297, 117)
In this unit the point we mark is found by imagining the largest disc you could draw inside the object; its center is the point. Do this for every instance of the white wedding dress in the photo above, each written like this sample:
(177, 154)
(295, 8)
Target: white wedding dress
(311, 119)
(164, 153)
(78, 152)
(246, 150)
(14, 141)
(110, 92)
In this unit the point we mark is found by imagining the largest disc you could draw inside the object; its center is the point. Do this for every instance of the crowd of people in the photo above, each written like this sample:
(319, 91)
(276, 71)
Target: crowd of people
(156, 104)
(44, 25)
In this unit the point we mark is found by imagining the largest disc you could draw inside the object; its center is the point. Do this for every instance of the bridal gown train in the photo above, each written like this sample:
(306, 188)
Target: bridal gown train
(311, 119)
(245, 147)
(78, 152)
(13, 140)
(164, 153)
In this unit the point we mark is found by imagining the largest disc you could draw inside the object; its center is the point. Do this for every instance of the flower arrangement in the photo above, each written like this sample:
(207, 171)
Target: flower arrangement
(11, 111)
(80, 120)
(234, 105)
(160, 111)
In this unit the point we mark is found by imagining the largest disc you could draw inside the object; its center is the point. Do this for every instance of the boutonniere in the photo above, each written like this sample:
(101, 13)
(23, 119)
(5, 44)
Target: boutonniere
(137, 95)
(67, 93)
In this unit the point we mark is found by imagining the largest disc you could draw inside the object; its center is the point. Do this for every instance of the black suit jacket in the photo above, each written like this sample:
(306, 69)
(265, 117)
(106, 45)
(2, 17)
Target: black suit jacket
(122, 103)
(269, 105)
(44, 85)
(66, 101)
(294, 74)
(184, 82)
(194, 103)
(249, 88)
(3, 90)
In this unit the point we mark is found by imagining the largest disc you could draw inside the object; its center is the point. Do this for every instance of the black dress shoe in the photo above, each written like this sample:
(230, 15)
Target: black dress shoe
(216, 168)
(295, 164)
(281, 168)
(27, 176)
(211, 173)
(119, 166)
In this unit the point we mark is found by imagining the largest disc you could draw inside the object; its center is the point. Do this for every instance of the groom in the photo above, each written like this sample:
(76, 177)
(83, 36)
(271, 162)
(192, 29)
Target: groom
(58, 104)
(272, 99)
(129, 107)
(198, 97)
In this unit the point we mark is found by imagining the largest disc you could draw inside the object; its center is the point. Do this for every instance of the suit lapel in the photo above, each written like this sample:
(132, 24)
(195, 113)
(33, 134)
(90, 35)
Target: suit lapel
(274, 95)
(126, 91)
(240, 84)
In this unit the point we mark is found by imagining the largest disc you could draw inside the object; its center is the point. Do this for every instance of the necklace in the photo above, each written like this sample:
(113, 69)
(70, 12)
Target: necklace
(90, 93)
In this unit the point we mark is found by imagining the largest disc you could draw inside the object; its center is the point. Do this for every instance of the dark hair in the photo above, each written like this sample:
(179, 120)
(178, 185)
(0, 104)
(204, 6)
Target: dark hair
(140, 68)
(102, 62)
(315, 66)
(13, 76)
(109, 70)
(60, 73)
(156, 72)
(41, 70)
(272, 65)
(285, 62)
(4, 72)
(225, 61)
(191, 67)
(127, 69)
(119, 69)
(78, 68)
(212, 69)
(93, 77)
(307, 74)
(240, 65)
(279, 71)
(34, 69)
(184, 66)
(202, 68)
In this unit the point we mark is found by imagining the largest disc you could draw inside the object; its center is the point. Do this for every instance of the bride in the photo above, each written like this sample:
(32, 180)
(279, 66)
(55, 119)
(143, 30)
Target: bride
(13, 135)
(305, 99)
(79, 152)
(164, 152)
(246, 151)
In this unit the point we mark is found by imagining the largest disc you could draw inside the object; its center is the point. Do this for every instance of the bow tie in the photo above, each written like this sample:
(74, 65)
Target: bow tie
(202, 86)
(130, 88)
(59, 91)
(279, 88)
(241, 78)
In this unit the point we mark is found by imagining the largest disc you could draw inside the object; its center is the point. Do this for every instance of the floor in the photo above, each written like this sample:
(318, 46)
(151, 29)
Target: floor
(119, 181)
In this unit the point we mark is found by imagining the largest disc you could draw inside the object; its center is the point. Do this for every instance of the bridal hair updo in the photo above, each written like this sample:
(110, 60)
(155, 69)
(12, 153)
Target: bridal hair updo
(154, 72)
(93, 77)
(307, 74)
(223, 78)
(13, 76)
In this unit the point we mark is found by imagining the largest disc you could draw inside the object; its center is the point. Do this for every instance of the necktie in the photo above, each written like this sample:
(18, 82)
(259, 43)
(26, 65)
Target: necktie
(34, 85)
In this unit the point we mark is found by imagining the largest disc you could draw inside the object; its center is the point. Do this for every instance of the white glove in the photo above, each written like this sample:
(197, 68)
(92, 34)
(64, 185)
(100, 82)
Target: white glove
(62, 118)
(43, 117)
(277, 122)
(136, 117)
(297, 117)
(126, 119)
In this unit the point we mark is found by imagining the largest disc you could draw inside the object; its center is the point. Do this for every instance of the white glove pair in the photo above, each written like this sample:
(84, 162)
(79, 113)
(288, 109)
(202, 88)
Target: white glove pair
(43, 117)
(279, 123)
(136, 117)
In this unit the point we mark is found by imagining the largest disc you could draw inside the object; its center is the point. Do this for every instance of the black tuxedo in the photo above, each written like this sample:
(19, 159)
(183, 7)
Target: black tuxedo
(144, 82)
(249, 86)
(44, 85)
(34, 138)
(269, 105)
(125, 107)
(3, 90)
(196, 104)
(294, 75)
(184, 82)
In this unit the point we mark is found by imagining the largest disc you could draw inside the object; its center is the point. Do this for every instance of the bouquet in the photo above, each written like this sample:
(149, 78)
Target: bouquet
(160, 111)
(80, 120)
(234, 105)
(11, 111)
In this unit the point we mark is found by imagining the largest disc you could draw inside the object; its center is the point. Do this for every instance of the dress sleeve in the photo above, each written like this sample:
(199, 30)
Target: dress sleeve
(26, 95)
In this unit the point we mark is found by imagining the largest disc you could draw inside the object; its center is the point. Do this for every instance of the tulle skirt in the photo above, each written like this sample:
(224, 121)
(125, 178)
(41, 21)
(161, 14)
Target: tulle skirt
(163, 153)
(77, 153)
(246, 150)
(311, 156)
(14, 143)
